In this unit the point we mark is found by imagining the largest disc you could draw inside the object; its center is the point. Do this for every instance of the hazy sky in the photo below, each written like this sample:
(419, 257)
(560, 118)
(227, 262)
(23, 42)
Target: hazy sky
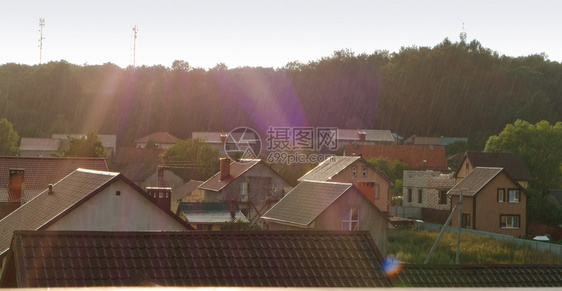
(265, 33)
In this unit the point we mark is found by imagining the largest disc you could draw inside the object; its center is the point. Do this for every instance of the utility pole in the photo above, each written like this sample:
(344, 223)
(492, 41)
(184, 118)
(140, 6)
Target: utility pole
(41, 38)
(457, 260)
(135, 30)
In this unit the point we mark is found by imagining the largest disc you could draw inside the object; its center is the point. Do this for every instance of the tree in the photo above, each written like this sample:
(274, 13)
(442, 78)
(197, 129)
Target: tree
(88, 145)
(192, 159)
(8, 139)
(393, 171)
(539, 147)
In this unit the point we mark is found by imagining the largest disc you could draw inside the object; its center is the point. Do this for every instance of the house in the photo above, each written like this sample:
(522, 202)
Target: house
(323, 205)
(354, 169)
(88, 200)
(146, 175)
(210, 215)
(512, 163)
(188, 192)
(364, 136)
(426, 141)
(416, 157)
(36, 173)
(492, 201)
(39, 147)
(163, 140)
(427, 189)
(109, 141)
(218, 140)
(252, 184)
(474, 276)
(196, 259)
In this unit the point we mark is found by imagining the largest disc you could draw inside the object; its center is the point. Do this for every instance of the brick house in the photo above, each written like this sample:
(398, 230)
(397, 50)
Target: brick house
(427, 189)
(492, 201)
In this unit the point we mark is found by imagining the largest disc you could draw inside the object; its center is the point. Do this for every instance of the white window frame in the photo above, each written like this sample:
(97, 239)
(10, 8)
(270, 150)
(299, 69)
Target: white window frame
(511, 221)
(376, 191)
(349, 222)
(516, 195)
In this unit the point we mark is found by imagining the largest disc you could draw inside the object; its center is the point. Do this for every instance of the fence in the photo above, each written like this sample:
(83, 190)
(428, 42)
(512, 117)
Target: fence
(536, 245)
(406, 212)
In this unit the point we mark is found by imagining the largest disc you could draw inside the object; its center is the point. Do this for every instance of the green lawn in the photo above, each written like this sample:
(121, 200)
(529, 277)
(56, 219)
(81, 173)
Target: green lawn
(413, 245)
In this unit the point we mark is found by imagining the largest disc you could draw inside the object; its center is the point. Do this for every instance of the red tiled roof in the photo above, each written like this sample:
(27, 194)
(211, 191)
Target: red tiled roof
(416, 157)
(159, 137)
(40, 172)
(196, 259)
(236, 169)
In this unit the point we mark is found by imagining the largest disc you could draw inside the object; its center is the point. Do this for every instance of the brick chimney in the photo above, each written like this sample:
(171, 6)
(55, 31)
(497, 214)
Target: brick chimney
(162, 196)
(224, 168)
(362, 135)
(16, 185)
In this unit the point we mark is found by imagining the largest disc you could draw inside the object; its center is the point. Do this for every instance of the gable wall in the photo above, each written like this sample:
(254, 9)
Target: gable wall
(346, 176)
(106, 211)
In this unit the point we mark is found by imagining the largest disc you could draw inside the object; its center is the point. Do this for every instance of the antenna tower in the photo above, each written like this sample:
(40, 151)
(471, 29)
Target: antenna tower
(135, 30)
(41, 38)
(463, 34)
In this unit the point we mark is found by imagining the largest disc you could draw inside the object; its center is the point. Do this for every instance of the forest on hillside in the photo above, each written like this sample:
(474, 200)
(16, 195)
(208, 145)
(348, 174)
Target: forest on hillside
(453, 89)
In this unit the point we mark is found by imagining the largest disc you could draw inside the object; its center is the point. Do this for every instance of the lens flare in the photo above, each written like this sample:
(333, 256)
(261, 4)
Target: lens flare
(391, 266)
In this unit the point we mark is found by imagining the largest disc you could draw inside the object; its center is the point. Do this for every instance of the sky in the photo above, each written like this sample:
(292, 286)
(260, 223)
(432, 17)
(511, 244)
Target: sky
(265, 33)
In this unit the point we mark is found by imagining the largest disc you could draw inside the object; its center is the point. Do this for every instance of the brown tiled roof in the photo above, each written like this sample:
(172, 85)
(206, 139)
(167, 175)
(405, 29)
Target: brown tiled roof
(197, 258)
(479, 276)
(412, 155)
(370, 135)
(236, 170)
(40, 172)
(512, 163)
(39, 144)
(305, 202)
(476, 180)
(159, 137)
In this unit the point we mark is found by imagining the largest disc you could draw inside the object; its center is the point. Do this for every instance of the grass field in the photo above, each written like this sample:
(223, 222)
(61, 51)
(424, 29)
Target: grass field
(412, 246)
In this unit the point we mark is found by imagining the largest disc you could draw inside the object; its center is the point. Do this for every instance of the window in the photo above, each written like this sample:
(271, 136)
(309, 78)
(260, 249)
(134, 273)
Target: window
(376, 191)
(409, 195)
(364, 171)
(513, 196)
(274, 188)
(465, 220)
(501, 195)
(419, 196)
(509, 221)
(354, 171)
(118, 193)
(244, 188)
(442, 197)
(350, 219)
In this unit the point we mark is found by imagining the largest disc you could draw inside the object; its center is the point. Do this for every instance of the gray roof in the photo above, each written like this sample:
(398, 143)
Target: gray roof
(186, 189)
(45, 207)
(329, 168)
(39, 144)
(107, 140)
(306, 201)
(210, 212)
(475, 181)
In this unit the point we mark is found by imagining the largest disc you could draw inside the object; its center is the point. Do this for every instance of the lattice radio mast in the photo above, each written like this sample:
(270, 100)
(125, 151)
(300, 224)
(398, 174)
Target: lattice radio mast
(135, 30)
(463, 34)
(41, 38)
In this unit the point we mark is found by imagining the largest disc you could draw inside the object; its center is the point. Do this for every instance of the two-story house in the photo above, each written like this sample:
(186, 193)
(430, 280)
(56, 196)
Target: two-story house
(512, 163)
(492, 201)
(252, 184)
(354, 169)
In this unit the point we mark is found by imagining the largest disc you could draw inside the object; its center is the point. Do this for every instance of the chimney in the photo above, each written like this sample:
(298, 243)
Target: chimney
(224, 168)
(16, 185)
(162, 196)
(223, 138)
(362, 135)
(232, 210)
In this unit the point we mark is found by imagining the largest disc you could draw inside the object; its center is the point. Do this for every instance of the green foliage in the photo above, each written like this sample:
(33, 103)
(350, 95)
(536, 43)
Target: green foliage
(541, 210)
(539, 147)
(192, 159)
(456, 147)
(239, 224)
(397, 200)
(8, 139)
(88, 145)
(392, 170)
(412, 246)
